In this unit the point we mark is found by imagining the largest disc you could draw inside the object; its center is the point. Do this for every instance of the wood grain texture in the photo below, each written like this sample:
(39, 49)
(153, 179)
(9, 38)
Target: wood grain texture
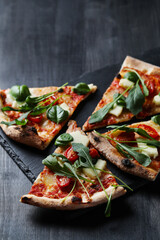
(52, 41)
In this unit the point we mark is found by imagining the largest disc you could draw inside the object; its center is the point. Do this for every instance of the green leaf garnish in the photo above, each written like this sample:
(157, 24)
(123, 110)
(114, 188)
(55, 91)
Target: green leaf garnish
(131, 76)
(81, 88)
(57, 114)
(156, 119)
(64, 139)
(99, 115)
(135, 100)
(140, 131)
(20, 93)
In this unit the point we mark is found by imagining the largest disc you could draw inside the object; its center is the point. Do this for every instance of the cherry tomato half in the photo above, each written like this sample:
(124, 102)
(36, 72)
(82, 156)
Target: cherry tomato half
(124, 136)
(151, 87)
(93, 153)
(70, 154)
(151, 131)
(63, 182)
(35, 119)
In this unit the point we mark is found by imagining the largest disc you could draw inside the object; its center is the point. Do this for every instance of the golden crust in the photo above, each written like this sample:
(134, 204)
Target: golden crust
(142, 66)
(68, 204)
(112, 154)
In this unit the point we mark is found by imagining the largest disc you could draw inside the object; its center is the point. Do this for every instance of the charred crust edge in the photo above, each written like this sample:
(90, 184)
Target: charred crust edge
(119, 76)
(96, 139)
(76, 199)
(127, 163)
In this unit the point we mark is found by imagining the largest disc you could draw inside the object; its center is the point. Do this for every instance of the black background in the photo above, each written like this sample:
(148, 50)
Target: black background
(49, 42)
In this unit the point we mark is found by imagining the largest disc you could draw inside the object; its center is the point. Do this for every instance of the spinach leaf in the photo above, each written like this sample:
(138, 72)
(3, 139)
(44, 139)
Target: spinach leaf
(20, 93)
(156, 119)
(145, 89)
(57, 114)
(121, 101)
(64, 139)
(131, 76)
(135, 100)
(81, 88)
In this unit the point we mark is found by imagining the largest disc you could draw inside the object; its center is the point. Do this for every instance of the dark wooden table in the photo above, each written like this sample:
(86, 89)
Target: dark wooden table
(43, 41)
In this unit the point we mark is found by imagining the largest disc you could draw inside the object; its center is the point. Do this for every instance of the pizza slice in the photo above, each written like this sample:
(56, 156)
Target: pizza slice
(34, 116)
(74, 176)
(134, 92)
(134, 149)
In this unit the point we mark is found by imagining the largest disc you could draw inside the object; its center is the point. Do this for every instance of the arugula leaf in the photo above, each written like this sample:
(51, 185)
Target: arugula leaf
(140, 131)
(81, 88)
(135, 100)
(140, 157)
(156, 119)
(154, 142)
(121, 101)
(19, 121)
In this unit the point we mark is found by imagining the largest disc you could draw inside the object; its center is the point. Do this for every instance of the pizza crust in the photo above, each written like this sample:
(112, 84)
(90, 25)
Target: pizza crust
(96, 199)
(142, 66)
(112, 154)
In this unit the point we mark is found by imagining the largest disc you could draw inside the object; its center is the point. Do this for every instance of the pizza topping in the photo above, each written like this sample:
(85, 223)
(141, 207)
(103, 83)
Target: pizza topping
(156, 119)
(71, 155)
(81, 88)
(131, 76)
(150, 151)
(78, 137)
(93, 153)
(117, 110)
(20, 93)
(156, 100)
(64, 182)
(65, 106)
(125, 83)
(150, 130)
(64, 139)
(35, 119)
(57, 114)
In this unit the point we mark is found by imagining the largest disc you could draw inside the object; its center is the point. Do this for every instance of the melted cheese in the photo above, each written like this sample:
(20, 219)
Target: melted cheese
(117, 110)
(78, 137)
(156, 100)
(125, 83)
(150, 151)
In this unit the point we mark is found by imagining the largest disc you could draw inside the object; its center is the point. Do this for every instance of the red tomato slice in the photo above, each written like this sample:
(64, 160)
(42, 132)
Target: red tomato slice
(70, 154)
(124, 136)
(151, 87)
(35, 119)
(151, 131)
(63, 182)
(93, 153)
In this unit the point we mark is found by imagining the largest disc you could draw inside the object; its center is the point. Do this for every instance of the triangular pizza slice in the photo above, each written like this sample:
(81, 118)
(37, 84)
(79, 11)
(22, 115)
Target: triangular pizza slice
(74, 176)
(134, 92)
(34, 116)
(134, 149)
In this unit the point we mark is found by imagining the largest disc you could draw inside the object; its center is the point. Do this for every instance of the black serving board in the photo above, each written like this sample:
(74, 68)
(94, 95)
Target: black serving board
(29, 160)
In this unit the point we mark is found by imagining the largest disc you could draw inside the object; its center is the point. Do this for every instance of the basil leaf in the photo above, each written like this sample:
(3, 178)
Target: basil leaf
(140, 157)
(81, 88)
(57, 114)
(64, 139)
(140, 131)
(135, 100)
(131, 76)
(156, 119)
(20, 93)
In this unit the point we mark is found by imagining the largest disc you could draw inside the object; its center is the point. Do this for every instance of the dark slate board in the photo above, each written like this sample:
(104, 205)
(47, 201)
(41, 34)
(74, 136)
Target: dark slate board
(29, 160)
